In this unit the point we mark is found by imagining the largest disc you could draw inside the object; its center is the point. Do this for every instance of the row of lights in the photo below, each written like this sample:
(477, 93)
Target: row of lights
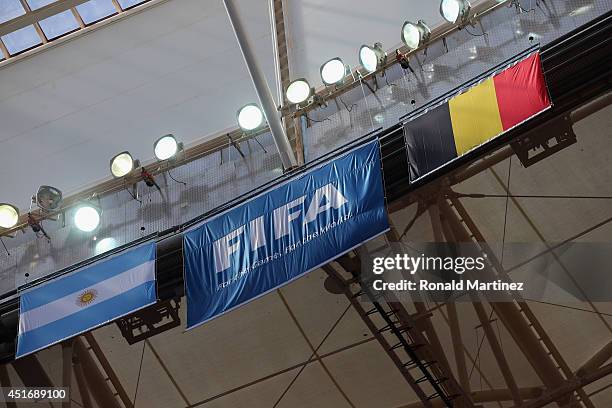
(87, 217)
(371, 58)
(250, 117)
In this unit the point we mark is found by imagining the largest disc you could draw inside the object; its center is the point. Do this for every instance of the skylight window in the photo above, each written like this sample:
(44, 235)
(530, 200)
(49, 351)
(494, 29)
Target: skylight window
(56, 25)
(9, 9)
(20, 40)
(40, 32)
(96, 10)
(129, 3)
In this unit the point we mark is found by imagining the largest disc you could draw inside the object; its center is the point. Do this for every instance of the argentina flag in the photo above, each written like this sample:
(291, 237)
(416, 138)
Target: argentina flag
(85, 299)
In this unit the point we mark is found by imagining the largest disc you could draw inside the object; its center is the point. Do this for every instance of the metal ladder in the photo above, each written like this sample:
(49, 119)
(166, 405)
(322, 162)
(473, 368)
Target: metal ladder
(403, 342)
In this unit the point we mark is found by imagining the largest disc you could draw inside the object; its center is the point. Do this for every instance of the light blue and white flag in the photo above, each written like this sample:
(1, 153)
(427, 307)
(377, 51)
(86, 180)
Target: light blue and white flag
(85, 299)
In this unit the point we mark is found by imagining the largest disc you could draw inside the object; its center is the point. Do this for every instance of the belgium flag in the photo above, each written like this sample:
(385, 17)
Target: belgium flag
(476, 116)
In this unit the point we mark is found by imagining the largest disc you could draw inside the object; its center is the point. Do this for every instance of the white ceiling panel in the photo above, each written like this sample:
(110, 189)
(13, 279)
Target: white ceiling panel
(321, 30)
(172, 68)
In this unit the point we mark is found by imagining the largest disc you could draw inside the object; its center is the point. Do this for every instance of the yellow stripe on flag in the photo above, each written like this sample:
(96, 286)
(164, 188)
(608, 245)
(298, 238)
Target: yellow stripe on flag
(475, 116)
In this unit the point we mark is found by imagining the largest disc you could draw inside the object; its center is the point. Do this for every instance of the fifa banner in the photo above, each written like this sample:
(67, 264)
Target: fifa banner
(283, 233)
(476, 116)
(85, 299)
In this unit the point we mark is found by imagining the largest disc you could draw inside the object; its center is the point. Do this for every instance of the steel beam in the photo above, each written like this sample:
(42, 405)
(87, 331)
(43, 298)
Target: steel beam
(67, 368)
(31, 372)
(79, 375)
(108, 369)
(568, 387)
(493, 395)
(98, 386)
(261, 87)
(498, 353)
(511, 317)
(596, 361)
(5, 381)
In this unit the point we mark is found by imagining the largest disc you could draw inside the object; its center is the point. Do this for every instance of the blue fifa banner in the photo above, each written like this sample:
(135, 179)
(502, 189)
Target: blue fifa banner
(85, 299)
(283, 233)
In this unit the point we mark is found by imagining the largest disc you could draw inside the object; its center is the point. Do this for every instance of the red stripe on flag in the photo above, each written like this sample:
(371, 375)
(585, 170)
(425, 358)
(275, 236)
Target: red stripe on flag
(521, 91)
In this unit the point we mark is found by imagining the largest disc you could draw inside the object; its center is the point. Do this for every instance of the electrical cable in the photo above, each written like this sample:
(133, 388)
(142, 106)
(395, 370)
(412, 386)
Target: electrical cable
(178, 181)
(144, 344)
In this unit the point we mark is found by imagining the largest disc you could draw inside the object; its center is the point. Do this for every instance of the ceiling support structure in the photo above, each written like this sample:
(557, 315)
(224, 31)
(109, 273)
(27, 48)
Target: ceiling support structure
(97, 384)
(551, 353)
(378, 334)
(596, 361)
(67, 352)
(31, 372)
(494, 395)
(510, 313)
(112, 376)
(262, 88)
(453, 319)
(5, 380)
(568, 387)
(498, 353)
(283, 75)
(420, 359)
(79, 375)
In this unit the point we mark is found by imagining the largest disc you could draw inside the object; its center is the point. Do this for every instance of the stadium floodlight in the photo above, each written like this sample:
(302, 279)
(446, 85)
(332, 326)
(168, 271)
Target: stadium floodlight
(87, 218)
(9, 215)
(333, 71)
(250, 117)
(455, 11)
(372, 58)
(415, 35)
(166, 147)
(105, 245)
(48, 198)
(122, 164)
(298, 91)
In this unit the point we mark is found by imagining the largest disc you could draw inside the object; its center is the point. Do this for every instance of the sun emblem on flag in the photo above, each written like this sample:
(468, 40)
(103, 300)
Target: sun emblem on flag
(86, 297)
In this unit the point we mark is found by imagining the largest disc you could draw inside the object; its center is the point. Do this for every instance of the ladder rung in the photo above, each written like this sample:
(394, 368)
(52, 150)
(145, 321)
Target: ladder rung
(410, 363)
(420, 379)
(432, 396)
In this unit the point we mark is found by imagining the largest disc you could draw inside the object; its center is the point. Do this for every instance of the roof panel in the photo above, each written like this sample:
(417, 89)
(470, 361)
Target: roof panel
(10, 9)
(59, 24)
(95, 10)
(21, 40)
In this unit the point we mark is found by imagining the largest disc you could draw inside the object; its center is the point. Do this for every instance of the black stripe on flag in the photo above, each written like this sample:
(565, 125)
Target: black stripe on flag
(429, 140)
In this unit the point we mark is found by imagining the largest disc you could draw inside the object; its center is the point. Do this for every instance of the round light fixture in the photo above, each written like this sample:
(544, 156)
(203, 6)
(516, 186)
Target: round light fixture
(455, 11)
(372, 58)
(122, 164)
(298, 91)
(333, 71)
(166, 147)
(250, 117)
(48, 198)
(105, 245)
(9, 215)
(87, 218)
(415, 35)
